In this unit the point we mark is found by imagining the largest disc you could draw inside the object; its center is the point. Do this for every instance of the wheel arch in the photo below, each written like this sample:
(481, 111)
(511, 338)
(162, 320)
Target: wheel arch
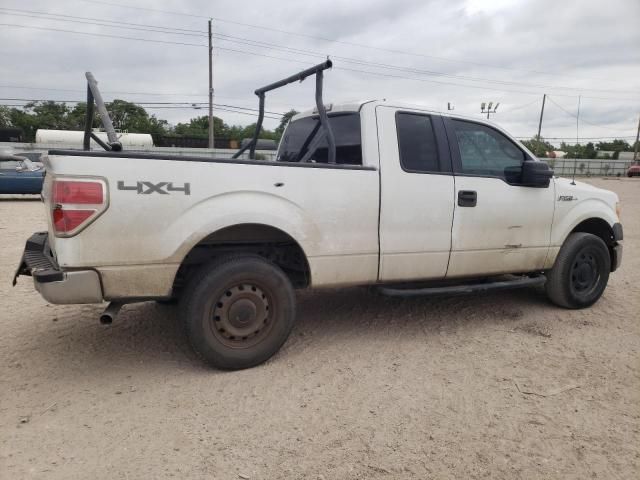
(270, 242)
(596, 226)
(601, 228)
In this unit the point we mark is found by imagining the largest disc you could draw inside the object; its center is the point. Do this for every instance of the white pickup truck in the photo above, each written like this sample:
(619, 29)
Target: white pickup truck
(369, 193)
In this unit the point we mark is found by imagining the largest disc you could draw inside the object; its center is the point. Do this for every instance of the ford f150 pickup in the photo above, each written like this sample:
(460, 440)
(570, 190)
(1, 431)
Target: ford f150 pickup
(378, 193)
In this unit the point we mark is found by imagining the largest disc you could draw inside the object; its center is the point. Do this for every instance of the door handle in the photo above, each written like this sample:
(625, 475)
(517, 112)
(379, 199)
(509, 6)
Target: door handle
(467, 198)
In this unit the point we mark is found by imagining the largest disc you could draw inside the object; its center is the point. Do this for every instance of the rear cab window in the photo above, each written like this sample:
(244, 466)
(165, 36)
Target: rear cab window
(417, 145)
(300, 134)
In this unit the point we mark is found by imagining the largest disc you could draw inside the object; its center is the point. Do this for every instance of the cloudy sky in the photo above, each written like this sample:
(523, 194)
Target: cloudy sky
(427, 52)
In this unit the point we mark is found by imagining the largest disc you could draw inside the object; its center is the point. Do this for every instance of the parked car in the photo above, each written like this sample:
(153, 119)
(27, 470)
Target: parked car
(20, 175)
(634, 170)
(370, 193)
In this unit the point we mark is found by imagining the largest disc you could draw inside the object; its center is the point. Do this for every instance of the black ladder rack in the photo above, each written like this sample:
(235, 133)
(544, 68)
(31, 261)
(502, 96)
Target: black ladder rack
(322, 112)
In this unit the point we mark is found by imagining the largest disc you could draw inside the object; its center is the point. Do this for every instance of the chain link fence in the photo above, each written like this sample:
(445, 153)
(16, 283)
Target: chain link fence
(590, 167)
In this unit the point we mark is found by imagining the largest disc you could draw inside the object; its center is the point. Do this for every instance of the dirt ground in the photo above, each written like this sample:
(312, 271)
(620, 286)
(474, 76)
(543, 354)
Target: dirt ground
(497, 385)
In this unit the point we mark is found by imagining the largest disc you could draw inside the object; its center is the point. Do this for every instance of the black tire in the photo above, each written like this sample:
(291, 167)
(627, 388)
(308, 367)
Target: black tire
(238, 311)
(580, 273)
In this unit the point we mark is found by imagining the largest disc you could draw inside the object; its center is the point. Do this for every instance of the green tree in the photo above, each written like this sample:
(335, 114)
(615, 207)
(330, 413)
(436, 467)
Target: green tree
(47, 115)
(283, 123)
(539, 147)
(579, 151)
(76, 117)
(238, 132)
(589, 151)
(134, 118)
(5, 117)
(27, 121)
(199, 127)
(52, 115)
(615, 146)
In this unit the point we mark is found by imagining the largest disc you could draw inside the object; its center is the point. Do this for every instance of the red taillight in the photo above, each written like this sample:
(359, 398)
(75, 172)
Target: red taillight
(75, 203)
(64, 221)
(71, 191)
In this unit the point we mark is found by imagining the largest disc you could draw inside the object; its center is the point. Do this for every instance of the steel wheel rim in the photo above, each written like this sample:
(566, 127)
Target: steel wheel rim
(242, 315)
(585, 272)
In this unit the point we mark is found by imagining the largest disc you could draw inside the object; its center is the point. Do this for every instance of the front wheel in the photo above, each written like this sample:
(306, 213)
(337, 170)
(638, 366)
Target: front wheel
(580, 273)
(238, 311)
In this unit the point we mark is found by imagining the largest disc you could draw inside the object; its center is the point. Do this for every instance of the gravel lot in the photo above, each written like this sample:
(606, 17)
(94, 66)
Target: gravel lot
(499, 385)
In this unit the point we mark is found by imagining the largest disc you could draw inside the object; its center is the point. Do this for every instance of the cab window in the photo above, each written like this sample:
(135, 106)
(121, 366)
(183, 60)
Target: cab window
(485, 151)
(300, 133)
(417, 143)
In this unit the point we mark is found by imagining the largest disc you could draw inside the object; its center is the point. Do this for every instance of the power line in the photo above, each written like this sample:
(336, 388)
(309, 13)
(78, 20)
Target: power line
(287, 49)
(118, 22)
(217, 109)
(115, 92)
(298, 34)
(380, 74)
(165, 107)
(104, 23)
(273, 46)
(289, 60)
(518, 107)
(96, 34)
(576, 116)
(146, 104)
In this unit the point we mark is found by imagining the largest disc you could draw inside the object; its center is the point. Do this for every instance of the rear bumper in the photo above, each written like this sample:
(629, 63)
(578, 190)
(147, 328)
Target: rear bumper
(55, 284)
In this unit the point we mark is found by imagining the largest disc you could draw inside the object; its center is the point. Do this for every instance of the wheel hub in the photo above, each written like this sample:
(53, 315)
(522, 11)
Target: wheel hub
(584, 272)
(241, 315)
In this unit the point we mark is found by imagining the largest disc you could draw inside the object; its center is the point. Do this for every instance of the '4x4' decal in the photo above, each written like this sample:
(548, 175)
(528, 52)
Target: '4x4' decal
(163, 188)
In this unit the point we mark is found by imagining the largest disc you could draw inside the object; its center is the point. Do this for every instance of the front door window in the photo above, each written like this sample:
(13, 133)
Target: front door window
(485, 151)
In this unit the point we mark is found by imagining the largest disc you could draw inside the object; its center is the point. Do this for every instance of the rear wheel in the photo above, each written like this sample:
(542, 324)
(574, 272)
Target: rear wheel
(580, 273)
(238, 311)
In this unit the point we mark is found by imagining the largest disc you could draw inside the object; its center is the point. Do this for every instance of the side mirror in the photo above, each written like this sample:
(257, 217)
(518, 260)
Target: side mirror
(535, 174)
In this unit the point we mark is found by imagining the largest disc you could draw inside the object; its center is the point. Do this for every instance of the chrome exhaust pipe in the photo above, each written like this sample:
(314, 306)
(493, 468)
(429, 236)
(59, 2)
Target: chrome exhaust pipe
(110, 313)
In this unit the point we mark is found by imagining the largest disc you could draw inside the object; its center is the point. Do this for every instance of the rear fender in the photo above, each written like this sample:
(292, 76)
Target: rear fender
(265, 209)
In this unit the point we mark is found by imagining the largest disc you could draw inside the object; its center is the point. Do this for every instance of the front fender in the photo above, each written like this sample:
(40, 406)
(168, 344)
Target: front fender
(569, 215)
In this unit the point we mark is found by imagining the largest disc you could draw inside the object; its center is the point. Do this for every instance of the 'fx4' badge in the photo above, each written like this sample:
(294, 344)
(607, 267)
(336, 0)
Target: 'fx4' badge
(566, 198)
(163, 188)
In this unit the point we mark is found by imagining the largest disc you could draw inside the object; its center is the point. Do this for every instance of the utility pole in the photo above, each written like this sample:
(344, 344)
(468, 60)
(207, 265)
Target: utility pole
(578, 122)
(211, 143)
(635, 148)
(489, 107)
(544, 98)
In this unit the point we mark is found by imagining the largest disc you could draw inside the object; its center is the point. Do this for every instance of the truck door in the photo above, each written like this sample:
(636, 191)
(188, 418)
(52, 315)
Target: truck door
(416, 197)
(499, 226)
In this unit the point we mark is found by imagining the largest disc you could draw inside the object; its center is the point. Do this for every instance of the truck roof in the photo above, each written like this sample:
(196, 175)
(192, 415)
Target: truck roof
(352, 106)
(356, 105)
